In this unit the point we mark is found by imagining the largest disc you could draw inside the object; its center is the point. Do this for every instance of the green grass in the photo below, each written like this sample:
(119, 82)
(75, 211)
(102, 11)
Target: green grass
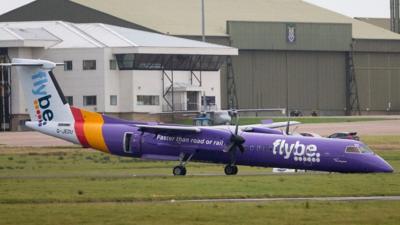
(275, 213)
(382, 142)
(305, 120)
(75, 186)
(166, 188)
(59, 162)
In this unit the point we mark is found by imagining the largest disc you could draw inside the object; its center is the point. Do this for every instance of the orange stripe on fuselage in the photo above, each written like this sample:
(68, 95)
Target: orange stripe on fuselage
(92, 128)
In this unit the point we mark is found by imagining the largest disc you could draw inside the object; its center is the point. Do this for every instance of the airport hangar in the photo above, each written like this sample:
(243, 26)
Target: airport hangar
(114, 70)
(292, 54)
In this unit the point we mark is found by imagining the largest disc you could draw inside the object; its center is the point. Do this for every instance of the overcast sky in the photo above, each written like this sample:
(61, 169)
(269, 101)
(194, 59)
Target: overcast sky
(353, 8)
(357, 8)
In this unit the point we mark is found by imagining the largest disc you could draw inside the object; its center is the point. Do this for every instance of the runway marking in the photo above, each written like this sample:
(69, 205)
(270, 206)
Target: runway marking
(228, 200)
(348, 198)
(128, 176)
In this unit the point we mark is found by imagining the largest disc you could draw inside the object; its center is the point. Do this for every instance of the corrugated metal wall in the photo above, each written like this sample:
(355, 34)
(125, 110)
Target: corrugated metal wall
(274, 36)
(378, 79)
(306, 74)
(316, 80)
(315, 65)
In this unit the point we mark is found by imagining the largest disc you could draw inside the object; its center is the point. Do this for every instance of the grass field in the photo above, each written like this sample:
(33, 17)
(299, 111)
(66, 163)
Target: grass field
(277, 213)
(75, 186)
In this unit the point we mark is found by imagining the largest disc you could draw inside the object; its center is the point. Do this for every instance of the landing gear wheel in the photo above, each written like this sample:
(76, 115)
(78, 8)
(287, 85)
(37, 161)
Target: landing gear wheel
(231, 170)
(179, 171)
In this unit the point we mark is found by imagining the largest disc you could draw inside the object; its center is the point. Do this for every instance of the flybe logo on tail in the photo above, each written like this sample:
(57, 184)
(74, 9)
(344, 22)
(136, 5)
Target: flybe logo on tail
(42, 102)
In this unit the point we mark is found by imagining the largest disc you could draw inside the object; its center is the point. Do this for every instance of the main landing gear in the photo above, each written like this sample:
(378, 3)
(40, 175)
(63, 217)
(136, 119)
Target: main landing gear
(231, 170)
(180, 170)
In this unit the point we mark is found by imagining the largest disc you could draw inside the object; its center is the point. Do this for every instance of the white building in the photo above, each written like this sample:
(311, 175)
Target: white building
(114, 70)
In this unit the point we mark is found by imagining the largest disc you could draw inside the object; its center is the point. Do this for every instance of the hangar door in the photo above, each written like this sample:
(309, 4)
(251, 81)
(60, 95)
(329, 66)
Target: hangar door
(305, 80)
(378, 79)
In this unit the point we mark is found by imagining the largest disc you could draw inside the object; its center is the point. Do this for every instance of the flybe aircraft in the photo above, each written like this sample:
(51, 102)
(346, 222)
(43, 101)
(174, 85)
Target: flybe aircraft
(231, 146)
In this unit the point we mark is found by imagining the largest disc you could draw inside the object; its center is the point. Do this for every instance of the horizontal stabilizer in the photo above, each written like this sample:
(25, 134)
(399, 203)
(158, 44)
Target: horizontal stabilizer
(44, 64)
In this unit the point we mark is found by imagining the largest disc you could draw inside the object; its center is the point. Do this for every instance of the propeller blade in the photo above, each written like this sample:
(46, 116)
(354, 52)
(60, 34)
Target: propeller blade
(288, 127)
(241, 148)
(229, 147)
(236, 140)
(237, 124)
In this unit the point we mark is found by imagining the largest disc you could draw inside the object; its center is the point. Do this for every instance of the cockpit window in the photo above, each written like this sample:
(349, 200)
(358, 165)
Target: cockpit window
(352, 149)
(365, 149)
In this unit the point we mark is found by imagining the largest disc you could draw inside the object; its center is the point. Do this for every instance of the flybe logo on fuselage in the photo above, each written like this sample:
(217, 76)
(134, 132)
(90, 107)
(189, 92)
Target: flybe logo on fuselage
(42, 102)
(299, 151)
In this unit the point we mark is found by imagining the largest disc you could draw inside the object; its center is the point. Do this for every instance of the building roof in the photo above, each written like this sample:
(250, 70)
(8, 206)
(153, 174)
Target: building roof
(183, 17)
(31, 37)
(59, 34)
(380, 22)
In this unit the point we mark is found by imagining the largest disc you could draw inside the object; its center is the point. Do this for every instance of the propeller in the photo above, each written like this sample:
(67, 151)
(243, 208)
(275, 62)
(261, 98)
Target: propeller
(287, 130)
(236, 141)
(287, 127)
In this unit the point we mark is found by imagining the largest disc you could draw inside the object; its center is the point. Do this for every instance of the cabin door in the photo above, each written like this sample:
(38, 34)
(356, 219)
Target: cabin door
(132, 144)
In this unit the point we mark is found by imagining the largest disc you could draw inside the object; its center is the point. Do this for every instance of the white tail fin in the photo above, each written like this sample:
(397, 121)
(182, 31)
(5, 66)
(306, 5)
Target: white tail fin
(44, 98)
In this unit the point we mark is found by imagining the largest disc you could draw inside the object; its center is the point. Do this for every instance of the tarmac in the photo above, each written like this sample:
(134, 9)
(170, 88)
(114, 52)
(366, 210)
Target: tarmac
(379, 127)
(30, 139)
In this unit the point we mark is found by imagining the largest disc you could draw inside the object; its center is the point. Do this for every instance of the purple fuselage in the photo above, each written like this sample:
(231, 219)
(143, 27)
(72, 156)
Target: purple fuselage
(261, 149)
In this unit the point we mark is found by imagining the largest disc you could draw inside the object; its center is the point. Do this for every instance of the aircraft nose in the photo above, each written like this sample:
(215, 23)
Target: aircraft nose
(382, 166)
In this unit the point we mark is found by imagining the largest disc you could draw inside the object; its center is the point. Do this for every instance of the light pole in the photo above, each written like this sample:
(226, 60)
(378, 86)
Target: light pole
(203, 30)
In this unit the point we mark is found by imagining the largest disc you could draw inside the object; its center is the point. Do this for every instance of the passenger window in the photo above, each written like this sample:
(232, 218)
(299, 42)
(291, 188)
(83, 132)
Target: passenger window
(352, 149)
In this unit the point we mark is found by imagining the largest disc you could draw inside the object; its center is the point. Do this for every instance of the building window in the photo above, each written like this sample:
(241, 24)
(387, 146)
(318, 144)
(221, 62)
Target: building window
(210, 100)
(70, 100)
(113, 100)
(113, 64)
(169, 62)
(68, 65)
(89, 100)
(148, 100)
(89, 64)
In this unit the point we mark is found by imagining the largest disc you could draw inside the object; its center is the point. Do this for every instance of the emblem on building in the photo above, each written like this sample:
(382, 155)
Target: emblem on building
(291, 33)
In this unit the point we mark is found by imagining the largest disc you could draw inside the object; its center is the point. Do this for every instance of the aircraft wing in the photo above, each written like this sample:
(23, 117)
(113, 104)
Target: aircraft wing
(280, 124)
(156, 129)
(272, 125)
